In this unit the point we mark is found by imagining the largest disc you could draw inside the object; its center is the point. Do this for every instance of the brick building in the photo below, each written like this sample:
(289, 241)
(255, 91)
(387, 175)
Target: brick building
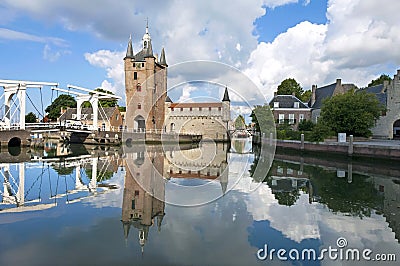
(109, 118)
(289, 109)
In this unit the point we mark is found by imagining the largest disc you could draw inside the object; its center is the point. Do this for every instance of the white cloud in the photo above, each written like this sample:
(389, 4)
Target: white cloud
(50, 55)
(360, 41)
(296, 54)
(113, 64)
(8, 34)
(186, 93)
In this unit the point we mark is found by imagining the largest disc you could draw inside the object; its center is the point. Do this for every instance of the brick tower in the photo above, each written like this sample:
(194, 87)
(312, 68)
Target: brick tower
(145, 87)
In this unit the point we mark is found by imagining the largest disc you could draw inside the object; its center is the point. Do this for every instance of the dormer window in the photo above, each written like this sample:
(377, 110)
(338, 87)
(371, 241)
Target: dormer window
(296, 105)
(276, 104)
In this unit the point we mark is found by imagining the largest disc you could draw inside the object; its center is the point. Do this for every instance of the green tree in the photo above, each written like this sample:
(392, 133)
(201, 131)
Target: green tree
(306, 125)
(103, 102)
(351, 113)
(290, 86)
(379, 80)
(306, 96)
(62, 101)
(321, 131)
(107, 102)
(263, 119)
(30, 118)
(240, 123)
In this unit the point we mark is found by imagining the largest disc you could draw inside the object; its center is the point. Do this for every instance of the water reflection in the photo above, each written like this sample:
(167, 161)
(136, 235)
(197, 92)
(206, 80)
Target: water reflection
(40, 179)
(83, 197)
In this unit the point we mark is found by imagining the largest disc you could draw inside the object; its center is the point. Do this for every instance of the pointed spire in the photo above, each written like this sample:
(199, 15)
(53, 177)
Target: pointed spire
(126, 226)
(149, 52)
(160, 217)
(129, 50)
(226, 95)
(163, 62)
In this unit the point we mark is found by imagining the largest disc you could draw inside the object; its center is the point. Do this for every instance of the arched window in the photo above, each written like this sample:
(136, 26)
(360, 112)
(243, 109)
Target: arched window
(139, 87)
(139, 106)
(172, 127)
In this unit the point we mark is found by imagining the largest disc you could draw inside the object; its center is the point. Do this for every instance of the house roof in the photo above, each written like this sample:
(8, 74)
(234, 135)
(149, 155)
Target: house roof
(379, 92)
(108, 112)
(287, 101)
(323, 93)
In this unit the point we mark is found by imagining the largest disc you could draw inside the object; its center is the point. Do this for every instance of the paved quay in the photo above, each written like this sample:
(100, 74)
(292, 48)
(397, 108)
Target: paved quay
(376, 142)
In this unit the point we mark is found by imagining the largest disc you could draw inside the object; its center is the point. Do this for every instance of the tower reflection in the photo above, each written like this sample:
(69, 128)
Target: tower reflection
(144, 191)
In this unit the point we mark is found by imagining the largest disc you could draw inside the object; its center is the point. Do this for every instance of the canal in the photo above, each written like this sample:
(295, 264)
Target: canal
(195, 205)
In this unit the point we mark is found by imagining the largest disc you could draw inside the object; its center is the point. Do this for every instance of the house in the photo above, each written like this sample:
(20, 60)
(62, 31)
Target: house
(109, 118)
(320, 94)
(290, 109)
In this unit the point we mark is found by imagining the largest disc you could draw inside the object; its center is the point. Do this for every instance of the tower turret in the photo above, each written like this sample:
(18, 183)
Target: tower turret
(129, 50)
(163, 62)
(226, 111)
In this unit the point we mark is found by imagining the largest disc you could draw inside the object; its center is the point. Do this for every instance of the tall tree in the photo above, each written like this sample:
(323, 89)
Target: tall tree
(30, 118)
(263, 119)
(103, 102)
(379, 80)
(351, 113)
(107, 102)
(240, 122)
(62, 101)
(290, 86)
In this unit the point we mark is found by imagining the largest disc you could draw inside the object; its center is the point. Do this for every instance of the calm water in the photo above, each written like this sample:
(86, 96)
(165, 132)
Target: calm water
(215, 206)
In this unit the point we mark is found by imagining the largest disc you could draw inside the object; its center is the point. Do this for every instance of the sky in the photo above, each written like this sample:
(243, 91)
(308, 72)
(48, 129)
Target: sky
(314, 41)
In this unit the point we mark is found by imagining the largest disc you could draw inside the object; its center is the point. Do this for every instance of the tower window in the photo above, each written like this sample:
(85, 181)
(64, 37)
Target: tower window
(200, 108)
(190, 108)
(139, 87)
(219, 108)
(145, 44)
(209, 108)
(139, 106)
(142, 64)
(181, 109)
(135, 75)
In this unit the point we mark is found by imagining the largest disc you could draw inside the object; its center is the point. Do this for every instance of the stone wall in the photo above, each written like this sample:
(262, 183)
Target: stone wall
(384, 125)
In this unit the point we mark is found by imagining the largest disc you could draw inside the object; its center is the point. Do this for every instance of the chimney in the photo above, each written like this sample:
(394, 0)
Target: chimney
(313, 91)
(397, 76)
(338, 82)
(275, 93)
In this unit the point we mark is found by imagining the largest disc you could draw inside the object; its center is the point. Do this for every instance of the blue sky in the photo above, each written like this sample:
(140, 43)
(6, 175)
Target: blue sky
(314, 41)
